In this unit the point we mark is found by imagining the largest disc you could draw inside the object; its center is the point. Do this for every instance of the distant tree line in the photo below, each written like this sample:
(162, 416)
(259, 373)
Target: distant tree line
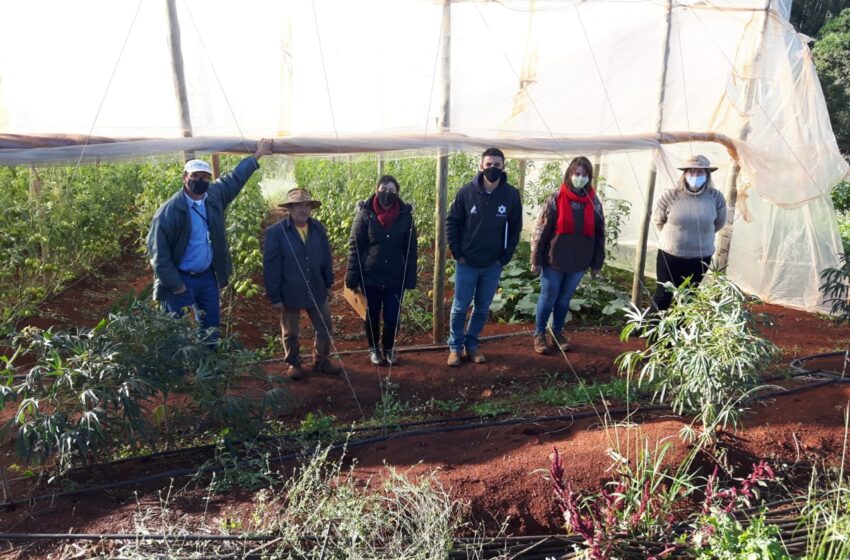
(828, 22)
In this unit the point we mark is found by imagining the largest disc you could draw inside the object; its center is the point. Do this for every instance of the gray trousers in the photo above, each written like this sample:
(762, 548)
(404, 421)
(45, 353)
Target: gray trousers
(289, 325)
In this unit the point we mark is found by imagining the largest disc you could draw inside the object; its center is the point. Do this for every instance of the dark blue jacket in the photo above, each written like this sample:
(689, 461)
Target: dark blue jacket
(484, 228)
(168, 236)
(385, 258)
(296, 274)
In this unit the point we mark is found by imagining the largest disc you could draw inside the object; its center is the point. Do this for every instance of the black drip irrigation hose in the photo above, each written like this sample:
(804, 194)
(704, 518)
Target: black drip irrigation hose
(797, 363)
(209, 469)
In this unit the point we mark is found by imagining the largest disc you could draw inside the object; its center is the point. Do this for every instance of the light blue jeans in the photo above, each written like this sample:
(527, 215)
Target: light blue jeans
(476, 286)
(556, 291)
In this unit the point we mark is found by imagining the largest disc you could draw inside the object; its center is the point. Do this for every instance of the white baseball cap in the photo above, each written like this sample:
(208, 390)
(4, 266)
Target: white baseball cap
(195, 165)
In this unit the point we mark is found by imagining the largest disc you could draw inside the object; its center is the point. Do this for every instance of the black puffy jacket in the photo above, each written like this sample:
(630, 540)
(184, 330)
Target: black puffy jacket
(381, 257)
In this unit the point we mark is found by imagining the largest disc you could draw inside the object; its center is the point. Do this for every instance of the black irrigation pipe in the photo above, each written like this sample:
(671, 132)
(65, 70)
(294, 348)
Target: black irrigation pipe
(132, 537)
(797, 363)
(360, 429)
(270, 439)
(183, 472)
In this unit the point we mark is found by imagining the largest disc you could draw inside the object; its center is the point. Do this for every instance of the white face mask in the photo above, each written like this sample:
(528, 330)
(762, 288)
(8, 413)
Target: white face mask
(579, 181)
(695, 181)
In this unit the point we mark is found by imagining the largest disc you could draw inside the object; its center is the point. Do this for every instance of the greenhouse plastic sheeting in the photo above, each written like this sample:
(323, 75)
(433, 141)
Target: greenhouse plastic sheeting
(577, 77)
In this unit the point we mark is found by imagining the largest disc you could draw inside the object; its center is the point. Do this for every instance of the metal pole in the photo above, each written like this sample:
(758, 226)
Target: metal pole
(439, 290)
(643, 232)
(177, 69)
(724, 236)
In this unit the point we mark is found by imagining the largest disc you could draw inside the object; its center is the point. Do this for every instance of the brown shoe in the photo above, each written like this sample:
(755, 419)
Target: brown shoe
(559, 341)
(326, 366)
(454, 359)
(541, 345)
(294, 373)
(476, 356)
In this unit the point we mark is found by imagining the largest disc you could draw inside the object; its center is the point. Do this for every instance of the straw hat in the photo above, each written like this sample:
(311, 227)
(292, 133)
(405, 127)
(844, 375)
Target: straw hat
(697, 162)
(295, 196)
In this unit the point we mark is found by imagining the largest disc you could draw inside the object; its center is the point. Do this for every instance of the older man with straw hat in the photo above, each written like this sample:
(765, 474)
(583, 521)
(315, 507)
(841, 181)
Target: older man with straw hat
(297, 270)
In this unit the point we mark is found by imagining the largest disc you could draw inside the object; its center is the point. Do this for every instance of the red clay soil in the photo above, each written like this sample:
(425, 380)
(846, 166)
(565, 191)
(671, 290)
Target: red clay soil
(496, 470)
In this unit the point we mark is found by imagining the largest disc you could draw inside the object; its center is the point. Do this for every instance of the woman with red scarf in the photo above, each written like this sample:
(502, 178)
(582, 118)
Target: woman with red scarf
(568, 239)
(382, 263)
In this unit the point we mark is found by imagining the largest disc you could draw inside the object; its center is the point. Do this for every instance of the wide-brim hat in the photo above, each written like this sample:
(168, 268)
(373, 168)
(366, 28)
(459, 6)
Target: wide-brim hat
(296, 196)
(697, 162)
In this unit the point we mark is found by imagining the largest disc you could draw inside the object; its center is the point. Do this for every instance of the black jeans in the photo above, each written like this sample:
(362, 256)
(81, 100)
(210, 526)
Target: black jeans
(670, 268)
(388, 300)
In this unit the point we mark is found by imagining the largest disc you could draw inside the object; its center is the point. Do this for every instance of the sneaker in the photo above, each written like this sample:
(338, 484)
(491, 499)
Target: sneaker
(454, 359)
(375, 358)
(541, 345)
(559, 341)
(391, 356)
(326, 366)
(294, 373)
(476, 356)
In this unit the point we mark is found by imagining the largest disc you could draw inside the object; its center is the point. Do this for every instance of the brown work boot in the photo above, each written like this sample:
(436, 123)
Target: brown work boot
(541, 345)
(454, 359)
(294, 373)
(476, 356)
(326, 366)
(559, 341)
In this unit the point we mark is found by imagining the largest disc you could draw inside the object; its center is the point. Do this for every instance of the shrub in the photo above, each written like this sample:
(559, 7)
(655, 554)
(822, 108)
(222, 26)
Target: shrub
(89, 391)
(702, 353)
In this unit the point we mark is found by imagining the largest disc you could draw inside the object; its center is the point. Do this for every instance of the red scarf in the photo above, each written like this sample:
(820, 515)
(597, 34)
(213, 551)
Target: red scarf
(386, 216)
(565, 210)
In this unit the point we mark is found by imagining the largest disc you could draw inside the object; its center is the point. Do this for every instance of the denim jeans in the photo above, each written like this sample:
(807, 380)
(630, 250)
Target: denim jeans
(556, 291)
(476, 286)
(388, 299)
(202, 296)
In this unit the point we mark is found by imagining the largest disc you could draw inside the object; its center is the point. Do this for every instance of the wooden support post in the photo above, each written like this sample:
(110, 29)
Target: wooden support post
(216, 166)
(438, 304)
(724, 236)
(177, 70)
(380, 165)
(522, 169)
(649, 195)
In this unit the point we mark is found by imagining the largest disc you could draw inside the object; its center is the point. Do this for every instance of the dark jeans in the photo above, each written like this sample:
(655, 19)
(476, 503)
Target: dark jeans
(670, 268)
(290, 319)
(388, 300)
(202, 296)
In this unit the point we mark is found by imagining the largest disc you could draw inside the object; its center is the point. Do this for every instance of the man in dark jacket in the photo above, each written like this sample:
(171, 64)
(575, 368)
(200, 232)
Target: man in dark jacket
(298, 273)
(187, 244)
(483, 228)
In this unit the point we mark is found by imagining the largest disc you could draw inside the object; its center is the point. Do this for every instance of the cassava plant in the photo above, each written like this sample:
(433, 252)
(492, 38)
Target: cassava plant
(835, 287)
(702, 353)
(92, 390)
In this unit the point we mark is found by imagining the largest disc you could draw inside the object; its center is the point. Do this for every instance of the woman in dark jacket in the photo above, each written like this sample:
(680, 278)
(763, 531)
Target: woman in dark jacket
(382, 262)
(568, 239)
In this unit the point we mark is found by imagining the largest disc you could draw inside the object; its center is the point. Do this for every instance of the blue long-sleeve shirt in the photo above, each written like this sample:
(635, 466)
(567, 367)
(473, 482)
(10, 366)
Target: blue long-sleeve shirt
(198, 255)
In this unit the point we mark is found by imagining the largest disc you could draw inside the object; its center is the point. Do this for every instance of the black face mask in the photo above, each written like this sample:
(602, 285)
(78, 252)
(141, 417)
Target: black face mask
(387, 198)
(493, 174)
(197, 186)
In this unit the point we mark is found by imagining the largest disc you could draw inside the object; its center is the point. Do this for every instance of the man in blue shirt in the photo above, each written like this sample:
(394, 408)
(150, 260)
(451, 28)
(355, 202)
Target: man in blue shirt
(187, 243)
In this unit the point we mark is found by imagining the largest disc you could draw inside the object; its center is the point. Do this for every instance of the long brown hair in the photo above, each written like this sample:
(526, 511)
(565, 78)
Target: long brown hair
(574, 164)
